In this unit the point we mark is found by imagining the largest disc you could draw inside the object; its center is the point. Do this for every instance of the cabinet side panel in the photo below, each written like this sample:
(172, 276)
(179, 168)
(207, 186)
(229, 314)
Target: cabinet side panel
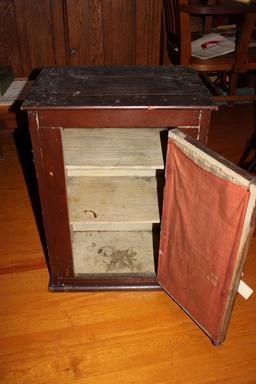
(55, 201)
(39, 169)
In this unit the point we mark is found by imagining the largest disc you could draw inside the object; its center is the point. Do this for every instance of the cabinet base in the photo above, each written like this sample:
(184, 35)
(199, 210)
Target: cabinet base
(82, 288)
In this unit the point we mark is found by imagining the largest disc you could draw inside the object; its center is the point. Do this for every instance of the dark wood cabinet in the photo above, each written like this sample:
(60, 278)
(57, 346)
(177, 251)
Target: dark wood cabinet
(107, 160)
(65, 104)
(113, 32)
(35, 34)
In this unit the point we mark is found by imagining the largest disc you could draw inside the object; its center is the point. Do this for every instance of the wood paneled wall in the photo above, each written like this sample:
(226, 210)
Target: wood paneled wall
(32, 34)
(38, 33)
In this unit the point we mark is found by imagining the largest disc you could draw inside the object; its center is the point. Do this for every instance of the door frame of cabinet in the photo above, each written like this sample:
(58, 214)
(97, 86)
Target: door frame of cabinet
(45, 127)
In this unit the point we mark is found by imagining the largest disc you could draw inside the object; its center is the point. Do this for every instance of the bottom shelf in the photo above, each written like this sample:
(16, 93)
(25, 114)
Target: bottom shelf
(114, 253)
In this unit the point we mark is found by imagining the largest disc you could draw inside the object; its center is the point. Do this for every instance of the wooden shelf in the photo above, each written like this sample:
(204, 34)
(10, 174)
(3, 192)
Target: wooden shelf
(114, 203)
(113, 253)
(130, 149)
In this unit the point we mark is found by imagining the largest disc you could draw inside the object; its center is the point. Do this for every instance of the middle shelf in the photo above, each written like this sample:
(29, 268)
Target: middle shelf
(113, 203)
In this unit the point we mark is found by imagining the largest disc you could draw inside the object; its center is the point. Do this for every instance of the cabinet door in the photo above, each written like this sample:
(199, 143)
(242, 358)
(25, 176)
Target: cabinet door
(207, 221)
(113, 31)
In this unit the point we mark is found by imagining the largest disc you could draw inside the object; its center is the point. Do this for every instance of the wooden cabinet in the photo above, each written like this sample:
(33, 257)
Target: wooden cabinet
(113, 31)
(35, 34)
(104, 152)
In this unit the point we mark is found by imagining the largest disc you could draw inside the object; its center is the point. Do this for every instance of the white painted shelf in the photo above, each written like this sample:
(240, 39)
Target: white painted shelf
(105, 148)
(113, 253)
(112, 203)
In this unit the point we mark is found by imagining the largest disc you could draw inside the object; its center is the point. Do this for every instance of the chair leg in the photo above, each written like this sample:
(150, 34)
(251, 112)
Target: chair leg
(233, 83)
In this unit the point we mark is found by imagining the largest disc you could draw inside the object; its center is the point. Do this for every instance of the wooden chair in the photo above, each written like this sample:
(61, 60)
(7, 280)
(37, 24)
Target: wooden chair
(179, 36)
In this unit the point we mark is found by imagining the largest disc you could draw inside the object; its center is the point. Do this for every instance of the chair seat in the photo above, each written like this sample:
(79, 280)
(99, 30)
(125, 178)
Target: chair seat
(220, 63)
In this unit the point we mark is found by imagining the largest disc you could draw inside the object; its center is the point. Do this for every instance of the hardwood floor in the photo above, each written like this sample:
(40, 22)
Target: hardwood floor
(112, 337)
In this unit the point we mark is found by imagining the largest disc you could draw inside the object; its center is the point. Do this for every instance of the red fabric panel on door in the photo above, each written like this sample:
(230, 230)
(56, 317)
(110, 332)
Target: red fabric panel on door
(202, 222)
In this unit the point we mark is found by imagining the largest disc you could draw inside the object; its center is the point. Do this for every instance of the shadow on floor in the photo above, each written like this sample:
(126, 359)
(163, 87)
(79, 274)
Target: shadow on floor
(24, 150)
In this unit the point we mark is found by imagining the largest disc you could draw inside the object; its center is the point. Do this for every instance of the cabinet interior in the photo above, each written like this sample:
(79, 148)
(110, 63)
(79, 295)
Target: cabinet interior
(114, 183)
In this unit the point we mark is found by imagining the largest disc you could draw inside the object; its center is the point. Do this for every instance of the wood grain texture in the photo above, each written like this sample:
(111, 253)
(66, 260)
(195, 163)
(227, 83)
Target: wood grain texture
(71, 32)
(148, 31)
(36, 35)
(107, 200)
(58, 31)
(127, 118)
(117, 87)
(32, 34)
(122, 337)
(84, 23)
(119, 32)
(113, 32)
(10, 49)
(112, 149)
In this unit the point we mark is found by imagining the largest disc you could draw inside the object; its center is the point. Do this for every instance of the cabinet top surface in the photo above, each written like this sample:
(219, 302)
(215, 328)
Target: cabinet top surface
(118, 87)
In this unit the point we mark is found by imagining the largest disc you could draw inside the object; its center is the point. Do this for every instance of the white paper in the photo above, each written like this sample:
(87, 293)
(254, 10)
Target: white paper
(212, 45)
(244, 290)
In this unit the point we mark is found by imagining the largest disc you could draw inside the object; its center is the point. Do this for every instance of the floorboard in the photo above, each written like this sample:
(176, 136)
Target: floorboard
(112, 337)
